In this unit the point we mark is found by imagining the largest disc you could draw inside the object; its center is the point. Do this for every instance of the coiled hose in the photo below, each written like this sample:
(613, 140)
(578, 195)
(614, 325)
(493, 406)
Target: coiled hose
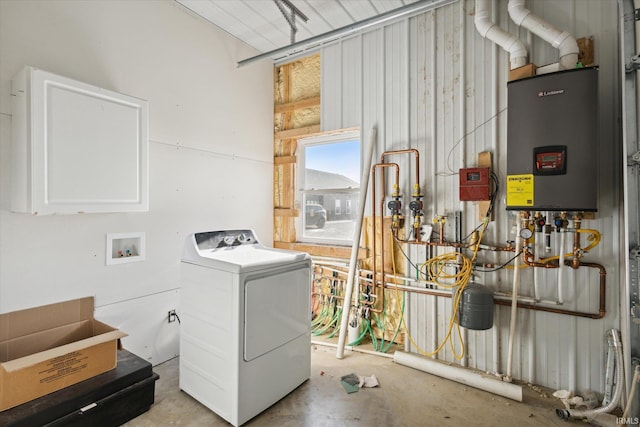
(616, 344)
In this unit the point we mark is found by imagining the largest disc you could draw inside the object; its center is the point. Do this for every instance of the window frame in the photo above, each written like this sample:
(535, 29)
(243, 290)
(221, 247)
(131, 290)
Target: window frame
(335, 136)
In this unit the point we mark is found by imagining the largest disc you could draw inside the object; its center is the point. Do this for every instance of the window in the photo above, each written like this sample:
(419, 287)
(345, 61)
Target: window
(328, 181)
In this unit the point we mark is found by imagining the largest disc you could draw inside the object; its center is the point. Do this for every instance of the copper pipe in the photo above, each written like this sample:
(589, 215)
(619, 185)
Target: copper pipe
(573, 263)
(374, 168)
(603, 287)
(383, 165)
(528, 257)
(551, 309)
(576, 249)
(421, 243)
(601, 310)
(415, 152)
(508, 248)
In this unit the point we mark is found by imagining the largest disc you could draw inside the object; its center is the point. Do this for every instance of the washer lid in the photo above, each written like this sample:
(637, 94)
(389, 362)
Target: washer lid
(246, 257)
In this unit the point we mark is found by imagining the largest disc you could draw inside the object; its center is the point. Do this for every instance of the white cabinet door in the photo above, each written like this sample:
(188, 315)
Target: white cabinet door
(76, 147)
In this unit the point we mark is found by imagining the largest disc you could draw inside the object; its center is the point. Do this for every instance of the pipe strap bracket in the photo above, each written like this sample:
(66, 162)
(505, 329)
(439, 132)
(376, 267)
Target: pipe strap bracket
(633, 64)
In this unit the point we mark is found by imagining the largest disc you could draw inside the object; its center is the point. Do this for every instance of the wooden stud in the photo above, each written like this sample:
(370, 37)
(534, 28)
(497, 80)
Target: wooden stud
(297, 132)
(285, 160)
(484, 161)
(286, 212)
(291, 106)
(321, 250)
(586, 51)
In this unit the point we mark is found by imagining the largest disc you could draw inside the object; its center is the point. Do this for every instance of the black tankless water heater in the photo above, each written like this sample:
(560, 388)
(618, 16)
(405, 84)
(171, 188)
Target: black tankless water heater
(552, 142)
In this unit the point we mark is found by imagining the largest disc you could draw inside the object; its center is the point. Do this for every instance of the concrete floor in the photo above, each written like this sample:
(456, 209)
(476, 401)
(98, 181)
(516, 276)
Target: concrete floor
(405, 397)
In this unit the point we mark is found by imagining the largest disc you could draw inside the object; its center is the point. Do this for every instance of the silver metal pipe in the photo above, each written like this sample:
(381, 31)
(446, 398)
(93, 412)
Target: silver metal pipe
(312, 42)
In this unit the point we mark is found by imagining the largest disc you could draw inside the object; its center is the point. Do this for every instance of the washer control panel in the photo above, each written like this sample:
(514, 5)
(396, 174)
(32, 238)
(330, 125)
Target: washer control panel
(225, 239)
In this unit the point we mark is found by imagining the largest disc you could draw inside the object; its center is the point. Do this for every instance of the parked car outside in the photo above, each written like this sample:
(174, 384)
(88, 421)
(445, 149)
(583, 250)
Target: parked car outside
(315, 215)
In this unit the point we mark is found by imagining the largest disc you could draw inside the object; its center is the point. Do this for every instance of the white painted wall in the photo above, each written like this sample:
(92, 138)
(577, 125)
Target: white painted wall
(211, 155)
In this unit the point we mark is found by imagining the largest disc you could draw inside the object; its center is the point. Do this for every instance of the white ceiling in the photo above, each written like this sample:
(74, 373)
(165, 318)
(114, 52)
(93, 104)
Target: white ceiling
(260, 24)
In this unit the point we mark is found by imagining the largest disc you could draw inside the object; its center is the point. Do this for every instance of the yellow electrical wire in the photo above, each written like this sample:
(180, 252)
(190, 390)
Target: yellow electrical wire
(461, 279)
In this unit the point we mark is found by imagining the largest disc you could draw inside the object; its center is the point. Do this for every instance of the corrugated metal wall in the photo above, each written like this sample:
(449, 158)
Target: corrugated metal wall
(431, 82)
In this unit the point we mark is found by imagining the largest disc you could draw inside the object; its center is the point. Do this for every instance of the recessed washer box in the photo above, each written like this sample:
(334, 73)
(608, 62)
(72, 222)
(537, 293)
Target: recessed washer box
(125, 247)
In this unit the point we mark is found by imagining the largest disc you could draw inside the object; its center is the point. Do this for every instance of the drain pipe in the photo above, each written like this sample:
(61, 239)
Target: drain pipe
(364, 185)
(491, 31)
(561, 40)
(459, 375)
(616, 344)
(514, 301)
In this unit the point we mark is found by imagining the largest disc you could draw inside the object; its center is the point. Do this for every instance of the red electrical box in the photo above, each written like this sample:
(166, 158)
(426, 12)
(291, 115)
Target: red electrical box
(475, 184)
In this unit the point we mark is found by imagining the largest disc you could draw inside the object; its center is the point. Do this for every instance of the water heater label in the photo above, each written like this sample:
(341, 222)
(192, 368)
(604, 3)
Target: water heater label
(544, 93)
(520, 190)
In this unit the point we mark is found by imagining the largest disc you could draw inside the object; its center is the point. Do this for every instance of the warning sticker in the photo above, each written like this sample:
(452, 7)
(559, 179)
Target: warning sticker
(520, 190)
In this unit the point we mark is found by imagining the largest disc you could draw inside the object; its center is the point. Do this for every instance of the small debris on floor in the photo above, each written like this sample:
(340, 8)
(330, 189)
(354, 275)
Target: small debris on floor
(351, 383)
(538, 390)
(370, 381)
(564, 396)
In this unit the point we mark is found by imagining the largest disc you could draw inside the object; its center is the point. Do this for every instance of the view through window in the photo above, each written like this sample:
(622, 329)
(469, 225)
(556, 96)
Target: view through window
(329, 184)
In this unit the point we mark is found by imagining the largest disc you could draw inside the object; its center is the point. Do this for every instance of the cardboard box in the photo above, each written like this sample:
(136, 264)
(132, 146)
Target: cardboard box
(44, 349)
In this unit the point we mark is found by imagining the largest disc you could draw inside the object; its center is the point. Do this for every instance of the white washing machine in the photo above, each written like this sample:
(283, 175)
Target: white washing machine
(245, 323)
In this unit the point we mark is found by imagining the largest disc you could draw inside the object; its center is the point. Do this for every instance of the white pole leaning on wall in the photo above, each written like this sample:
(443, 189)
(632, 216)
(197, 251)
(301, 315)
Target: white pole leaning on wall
(357, 233)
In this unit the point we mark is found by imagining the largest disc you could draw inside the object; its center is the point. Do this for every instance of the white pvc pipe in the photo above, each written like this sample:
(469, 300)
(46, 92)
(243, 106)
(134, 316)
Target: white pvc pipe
(495, 95)
(357, 233)
(562, 40)
(353, 348)
(538, 245)
(561, 266)
(514, 303)
(459, 375)
(488, 29)
(433, 301)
